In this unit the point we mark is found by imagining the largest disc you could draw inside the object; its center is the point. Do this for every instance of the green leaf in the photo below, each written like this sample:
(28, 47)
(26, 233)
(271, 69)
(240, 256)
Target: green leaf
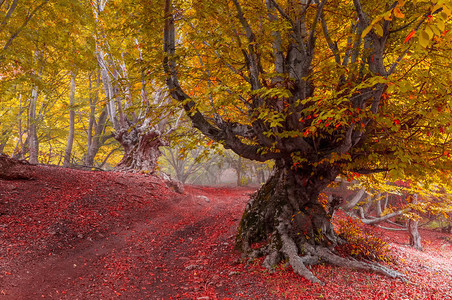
(424, 39)
(429, 32)
(378, 29)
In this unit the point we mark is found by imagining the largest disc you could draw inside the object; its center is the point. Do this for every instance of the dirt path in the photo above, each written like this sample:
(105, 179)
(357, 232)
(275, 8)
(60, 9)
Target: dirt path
(181, 249)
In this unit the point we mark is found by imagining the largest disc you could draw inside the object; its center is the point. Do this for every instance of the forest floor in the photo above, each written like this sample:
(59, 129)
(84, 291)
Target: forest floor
(70, 234)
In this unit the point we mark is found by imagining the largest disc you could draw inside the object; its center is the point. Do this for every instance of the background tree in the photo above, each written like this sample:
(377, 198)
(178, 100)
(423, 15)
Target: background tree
(295, 85)
(137, 104)
(96, 133)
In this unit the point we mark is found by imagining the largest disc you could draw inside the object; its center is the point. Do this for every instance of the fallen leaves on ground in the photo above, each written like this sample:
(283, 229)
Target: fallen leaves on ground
(70, 234)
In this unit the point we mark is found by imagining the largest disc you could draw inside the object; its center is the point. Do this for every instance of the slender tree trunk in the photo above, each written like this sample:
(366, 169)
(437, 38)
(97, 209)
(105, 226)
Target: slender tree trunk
(70, 139)
(98, 139)
(109, 89)
(386, 202)
(92, 112)
(238, 170)
(367, 206)
(4, 137)
(20, 142)
(378, 205)
(33, 142)
(415, 237)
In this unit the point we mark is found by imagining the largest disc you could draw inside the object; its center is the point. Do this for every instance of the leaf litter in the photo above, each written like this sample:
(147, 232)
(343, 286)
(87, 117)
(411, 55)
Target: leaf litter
(71, 234)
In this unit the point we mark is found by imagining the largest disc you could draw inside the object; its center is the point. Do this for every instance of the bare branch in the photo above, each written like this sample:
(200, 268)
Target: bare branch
(385, 217)
(399, 59)
(8, 14)
(332, 45)
(252, 58)
(362, 18)
(356, 198)
(283, 13)
(318, 17)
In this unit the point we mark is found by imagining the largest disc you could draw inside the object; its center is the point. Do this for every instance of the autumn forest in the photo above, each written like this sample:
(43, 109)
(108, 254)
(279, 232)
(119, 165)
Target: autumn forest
(318, 131)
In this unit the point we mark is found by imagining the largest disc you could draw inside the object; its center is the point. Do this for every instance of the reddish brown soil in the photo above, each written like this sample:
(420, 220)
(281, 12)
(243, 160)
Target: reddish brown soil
(71, 234)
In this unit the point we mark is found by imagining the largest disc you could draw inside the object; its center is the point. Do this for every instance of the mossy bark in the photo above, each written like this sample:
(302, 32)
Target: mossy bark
(289, 196)
(286, 220)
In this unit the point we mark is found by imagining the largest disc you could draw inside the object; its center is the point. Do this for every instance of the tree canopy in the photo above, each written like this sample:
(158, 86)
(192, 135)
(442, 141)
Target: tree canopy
(365, 87)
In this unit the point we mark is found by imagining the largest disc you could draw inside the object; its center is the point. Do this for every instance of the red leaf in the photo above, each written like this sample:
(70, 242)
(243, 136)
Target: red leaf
(409, 36)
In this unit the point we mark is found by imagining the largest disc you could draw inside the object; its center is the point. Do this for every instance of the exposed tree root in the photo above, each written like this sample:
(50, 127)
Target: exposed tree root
(328, 256)
(290, 250)
(313, 255)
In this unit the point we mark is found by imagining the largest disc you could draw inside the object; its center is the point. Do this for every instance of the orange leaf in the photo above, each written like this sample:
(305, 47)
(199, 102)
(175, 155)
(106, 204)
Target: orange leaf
(398, 13)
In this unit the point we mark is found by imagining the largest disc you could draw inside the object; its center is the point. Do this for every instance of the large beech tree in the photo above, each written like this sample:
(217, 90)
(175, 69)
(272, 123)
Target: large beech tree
(323, 88)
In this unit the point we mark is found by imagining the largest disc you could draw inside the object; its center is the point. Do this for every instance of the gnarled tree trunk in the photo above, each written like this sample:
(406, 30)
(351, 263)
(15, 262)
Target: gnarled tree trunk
(287, 216)
(141, 149)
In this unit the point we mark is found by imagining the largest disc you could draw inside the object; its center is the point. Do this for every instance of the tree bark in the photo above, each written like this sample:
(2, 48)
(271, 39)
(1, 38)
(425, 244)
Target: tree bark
(92, 110)
(70, 138)
(378, 205)
(33, 142)
(238, 170)
(141, 149)
(98, 139)
(415, 237)
(356, 198)
(4, 137)
(289, 196)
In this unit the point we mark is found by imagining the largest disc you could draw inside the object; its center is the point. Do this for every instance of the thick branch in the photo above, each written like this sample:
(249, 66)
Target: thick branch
(277, 42)
(332, 45)
(385, 217)
(311, 39)
(226, 135)
(355, 199)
